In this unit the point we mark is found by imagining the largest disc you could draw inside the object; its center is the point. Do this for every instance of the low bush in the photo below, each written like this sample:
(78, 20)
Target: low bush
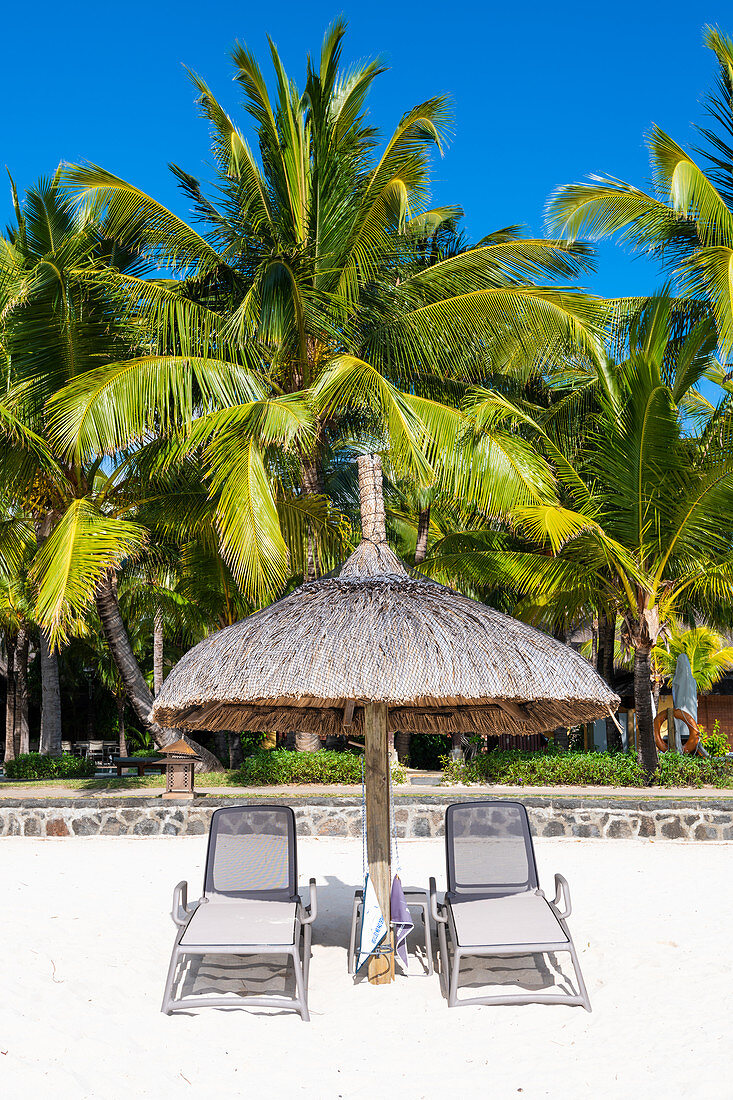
(601, 769)
(266, 768)
(715, 743)
(32, 765)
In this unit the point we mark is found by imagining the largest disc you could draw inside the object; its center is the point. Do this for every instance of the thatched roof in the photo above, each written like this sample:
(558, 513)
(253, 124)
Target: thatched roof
(373, 633)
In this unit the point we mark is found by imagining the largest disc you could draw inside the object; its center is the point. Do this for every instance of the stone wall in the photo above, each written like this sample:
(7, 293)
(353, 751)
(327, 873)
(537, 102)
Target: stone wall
(657, 818)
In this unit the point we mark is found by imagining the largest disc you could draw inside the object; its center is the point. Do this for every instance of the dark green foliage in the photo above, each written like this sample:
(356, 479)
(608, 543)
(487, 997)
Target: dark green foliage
(602, 769)
(282, 766)
(427, 750)
(32, 765)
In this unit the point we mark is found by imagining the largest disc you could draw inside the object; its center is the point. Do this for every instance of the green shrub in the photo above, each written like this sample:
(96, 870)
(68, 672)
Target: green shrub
(32, 765)
(602, 769)
(715, 742)
(268, 768)
(677, 770)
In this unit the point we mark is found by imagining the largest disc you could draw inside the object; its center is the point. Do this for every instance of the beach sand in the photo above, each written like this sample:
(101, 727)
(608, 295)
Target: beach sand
(86, 937)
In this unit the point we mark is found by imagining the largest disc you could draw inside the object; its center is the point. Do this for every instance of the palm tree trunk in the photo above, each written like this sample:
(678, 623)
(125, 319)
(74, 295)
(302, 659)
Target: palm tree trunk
(11, 747)
(643, 705)
(138, 692)
(606, 654)
(312, 486)
(50, 743)
(22, 728)
(402, 741)
(221, 744)
(120, 701)
(423, 529)
(404, 737)
(157, 651)
(236, 755)
(307, 742)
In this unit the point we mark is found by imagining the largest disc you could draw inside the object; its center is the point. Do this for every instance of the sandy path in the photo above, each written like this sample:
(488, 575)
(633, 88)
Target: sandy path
(86, 938)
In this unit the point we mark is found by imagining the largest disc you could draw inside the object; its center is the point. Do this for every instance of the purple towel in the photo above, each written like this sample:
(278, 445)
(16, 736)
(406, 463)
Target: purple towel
(401, 919)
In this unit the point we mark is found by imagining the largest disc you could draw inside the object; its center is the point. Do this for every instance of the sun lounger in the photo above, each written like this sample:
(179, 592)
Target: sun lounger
(250, 905)
(493, 905)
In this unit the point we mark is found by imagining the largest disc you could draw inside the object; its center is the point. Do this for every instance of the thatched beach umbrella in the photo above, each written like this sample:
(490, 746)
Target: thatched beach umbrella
(371, 649)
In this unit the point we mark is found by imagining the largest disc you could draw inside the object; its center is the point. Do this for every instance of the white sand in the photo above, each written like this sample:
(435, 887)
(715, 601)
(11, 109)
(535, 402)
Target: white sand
(86, 938)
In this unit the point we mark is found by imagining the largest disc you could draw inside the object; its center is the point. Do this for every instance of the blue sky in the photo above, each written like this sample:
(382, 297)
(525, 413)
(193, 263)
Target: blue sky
(543, 93)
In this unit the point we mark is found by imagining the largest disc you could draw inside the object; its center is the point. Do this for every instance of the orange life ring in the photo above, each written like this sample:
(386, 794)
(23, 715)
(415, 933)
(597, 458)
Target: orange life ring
(691, 743)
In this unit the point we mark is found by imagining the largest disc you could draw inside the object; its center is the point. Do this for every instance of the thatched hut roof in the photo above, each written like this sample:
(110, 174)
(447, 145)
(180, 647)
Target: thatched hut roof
(372, 633)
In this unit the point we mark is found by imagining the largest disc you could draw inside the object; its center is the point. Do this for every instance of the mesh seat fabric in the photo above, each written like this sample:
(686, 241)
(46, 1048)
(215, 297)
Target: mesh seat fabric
(489, 849)
(505, 921)
(246, 923)
(252, 853)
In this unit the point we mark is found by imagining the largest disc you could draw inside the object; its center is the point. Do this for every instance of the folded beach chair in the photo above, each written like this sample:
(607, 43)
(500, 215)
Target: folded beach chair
(493, 905)
(250, 905)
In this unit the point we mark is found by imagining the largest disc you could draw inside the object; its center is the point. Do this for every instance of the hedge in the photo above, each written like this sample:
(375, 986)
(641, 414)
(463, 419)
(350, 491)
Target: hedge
(268, 768)
(32, 765)
(552, 769)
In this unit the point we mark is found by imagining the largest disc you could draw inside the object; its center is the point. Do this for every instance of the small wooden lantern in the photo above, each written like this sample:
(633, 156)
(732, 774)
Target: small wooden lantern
(179, 761)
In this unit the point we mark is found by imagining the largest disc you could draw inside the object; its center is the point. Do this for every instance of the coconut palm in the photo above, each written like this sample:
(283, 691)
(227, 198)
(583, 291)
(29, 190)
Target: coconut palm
(641, 523)
(710, 657)
(311, 261)
(686, 218)
(61, 317)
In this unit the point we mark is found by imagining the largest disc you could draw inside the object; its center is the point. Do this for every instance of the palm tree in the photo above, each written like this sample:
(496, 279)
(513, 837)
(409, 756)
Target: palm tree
(686, 219)
(640, 526)
(311, 265)
(710, 657)
(61, 317)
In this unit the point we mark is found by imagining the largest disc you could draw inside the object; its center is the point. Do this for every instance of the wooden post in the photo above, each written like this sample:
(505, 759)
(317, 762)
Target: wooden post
(377, 791)
(671, 731)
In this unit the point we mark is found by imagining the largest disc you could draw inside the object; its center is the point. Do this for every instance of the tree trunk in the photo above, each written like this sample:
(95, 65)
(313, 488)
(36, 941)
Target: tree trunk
(606, 655)
(50, 744)
(221, 744)
(157, 652)
(120, 701)
(312, 481)
(138, 692)
(236, 755)
(22, 728)
(423, 528)
(402, 744)
(11, 745)
(643, 706)
(371, 499)
(307, 742)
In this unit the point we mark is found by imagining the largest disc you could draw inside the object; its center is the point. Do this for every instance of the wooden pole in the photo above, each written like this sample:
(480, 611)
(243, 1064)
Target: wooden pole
(671, 731)
(377, 793)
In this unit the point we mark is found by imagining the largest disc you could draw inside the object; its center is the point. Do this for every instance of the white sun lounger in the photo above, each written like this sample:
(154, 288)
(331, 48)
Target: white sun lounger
(494, 905)
(250, 905)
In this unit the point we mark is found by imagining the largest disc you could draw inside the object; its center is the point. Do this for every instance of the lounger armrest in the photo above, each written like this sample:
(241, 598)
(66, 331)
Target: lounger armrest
(181, 910)
(312, 907)
(562, 892)
(434, 908)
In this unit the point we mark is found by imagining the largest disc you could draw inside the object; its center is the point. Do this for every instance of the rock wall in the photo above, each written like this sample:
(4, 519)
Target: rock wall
(610, 819)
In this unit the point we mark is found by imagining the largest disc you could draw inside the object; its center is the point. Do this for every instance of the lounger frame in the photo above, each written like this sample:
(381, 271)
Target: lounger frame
(450, 962)
(299, 951)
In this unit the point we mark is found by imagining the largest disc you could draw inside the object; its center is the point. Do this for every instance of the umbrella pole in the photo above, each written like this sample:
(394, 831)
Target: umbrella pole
(377, 795)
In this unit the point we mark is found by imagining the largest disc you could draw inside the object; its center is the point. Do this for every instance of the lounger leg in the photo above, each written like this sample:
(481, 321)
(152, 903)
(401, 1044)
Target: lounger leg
(168, 998)
(454, 974)
(300, 984)
(352, 939)
(579, 975)
(428, 941)
(307, 937)
(444, 960)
